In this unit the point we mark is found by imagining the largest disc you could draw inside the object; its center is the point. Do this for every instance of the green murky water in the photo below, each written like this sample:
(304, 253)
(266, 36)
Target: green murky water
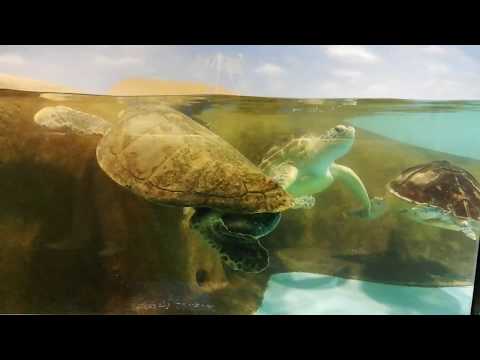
(52, 189)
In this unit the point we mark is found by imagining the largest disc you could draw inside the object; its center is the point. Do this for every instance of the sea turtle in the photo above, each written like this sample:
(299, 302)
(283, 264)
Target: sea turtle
(438, 194)
(305, 166)
(226, 231)
(167, 158)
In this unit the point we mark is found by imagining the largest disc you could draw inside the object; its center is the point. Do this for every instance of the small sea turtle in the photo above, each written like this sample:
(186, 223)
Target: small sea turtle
(438, 194)
(305, 166)
(167, 158)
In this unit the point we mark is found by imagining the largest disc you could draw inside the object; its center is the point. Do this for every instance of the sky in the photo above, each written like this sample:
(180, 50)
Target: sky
(433, 72)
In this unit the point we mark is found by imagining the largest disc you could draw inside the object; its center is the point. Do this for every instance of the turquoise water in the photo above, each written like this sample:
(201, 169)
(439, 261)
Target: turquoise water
(452, 129)
(314, 294)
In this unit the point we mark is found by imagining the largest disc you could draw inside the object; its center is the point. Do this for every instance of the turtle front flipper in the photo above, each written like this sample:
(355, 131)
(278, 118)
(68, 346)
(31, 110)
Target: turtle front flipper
(470, 228)
(435, 216)
(241, 252)
(469, 231)
(351, 180)
(65, 118)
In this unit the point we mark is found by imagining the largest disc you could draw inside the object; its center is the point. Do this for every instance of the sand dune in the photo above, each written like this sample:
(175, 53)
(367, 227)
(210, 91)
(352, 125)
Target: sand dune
(22, 83)
(139, 86)
(128, 87)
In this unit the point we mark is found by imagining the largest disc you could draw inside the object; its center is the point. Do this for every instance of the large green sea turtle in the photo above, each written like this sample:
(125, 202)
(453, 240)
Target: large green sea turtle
(306, 166)
(438, 193)
(167, 158)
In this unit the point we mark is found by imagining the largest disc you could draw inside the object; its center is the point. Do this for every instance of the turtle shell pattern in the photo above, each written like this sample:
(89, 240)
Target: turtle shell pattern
(441, 184)
(166, 157)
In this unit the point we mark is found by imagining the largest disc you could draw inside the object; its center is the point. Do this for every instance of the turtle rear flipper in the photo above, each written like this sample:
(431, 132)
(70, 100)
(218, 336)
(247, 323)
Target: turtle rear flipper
(304, 202)
(285, 175)
(378, 207)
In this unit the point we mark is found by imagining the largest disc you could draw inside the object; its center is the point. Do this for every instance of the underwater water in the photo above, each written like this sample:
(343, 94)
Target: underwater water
(136, 255)
(298, 293)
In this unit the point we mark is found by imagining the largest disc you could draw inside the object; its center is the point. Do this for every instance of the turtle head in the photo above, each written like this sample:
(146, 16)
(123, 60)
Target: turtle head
(335, 143)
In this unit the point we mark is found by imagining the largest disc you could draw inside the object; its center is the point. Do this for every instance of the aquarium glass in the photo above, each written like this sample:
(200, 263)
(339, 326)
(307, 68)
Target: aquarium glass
(73, 240)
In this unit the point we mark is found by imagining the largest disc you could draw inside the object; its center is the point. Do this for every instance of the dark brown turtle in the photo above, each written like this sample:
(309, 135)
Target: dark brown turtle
(438, 194)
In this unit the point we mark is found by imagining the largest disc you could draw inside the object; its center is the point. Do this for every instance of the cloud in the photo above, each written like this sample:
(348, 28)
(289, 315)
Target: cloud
(377, 91)
(435, 49)
(352, 53)
(401, 71)
(408, 72)
(347, 74)
(219, 69)
(438, 68)
(120, 61)
(269, 69)
(12, 59)
(229, 65)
